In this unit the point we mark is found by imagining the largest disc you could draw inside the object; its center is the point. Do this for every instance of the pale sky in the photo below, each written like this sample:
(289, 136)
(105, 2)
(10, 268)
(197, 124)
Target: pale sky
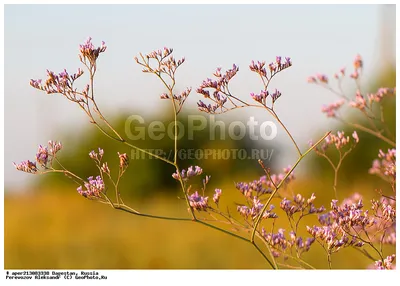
(39, 37)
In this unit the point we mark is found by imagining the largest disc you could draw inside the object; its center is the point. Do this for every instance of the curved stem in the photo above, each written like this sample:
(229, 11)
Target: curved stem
(128, 210)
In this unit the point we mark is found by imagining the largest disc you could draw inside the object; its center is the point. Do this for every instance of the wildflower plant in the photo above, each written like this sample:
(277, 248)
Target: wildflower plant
(254, 218)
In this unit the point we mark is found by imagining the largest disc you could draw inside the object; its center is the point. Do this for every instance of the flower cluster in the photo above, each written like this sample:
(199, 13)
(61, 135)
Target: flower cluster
(351, 215)
(331, 109)
(300, 204)
(359, 102)
(89, 52)
(210, 108)
(280, 243)
(180, 98)
(358, 65)
(385, 216)
(380, 94)
(165, 62)
(333, 240)
(318, 78)
(96, 156)
(61, 83)
(339, 141)
(323, 79)
(198, 202)
(302, 246)
(186, 175)
(93, 188)
(26, 166)
(256, 189)
(254, 210)
(44, 155)
(220, 90)
(277, 240)
(385, 166)
(256, 186)
(105, 169)
(340, 227)
(54, 147)
(385, 209)
(274, 67)
(262, 97)
(386, 264)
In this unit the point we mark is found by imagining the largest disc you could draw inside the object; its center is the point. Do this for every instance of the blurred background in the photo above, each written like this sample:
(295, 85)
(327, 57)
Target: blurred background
(48, 225)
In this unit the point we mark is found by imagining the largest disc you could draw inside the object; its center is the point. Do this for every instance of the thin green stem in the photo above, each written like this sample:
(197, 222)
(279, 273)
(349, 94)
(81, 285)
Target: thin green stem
(265, 257)
(129, 210)
(376, 134)
(273, 113)
(222, 230)
(61, 171)
(149, 153)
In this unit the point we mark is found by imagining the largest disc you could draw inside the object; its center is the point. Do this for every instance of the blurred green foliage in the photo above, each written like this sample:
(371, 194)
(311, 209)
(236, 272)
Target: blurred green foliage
(147, 176)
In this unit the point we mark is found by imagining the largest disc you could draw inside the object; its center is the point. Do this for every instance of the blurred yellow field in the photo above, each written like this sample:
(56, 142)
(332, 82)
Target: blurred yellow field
(54, 229)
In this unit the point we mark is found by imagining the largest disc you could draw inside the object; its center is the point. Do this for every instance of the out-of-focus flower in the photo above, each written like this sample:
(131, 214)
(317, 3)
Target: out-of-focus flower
(339, 141)
(217, 195)
(386, 264)
(105, 169)
(358, 63)
(187, 174)
(96, 156)
(332, 108)
(385, 166)
(380, 94)
(123, 160)
(54, 147)
(359, 102)
(26, 166)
